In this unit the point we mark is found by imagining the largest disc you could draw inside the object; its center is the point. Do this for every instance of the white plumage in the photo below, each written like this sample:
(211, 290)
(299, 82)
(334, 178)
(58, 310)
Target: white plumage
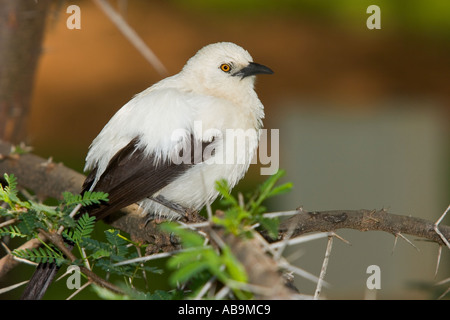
(204, 102)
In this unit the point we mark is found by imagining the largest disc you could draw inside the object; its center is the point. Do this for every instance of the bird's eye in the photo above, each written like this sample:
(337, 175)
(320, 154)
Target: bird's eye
(225, 67)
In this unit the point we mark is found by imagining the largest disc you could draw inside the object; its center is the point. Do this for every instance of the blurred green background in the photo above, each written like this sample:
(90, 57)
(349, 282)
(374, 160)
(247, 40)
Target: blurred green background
(363, 114)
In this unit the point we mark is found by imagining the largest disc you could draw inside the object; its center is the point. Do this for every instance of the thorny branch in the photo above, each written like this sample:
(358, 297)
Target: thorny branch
(57, 240)
(362, 220)
(48, 179)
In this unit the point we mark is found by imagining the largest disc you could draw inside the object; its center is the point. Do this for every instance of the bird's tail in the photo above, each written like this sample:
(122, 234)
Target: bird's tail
(39, 282)
(46, 272)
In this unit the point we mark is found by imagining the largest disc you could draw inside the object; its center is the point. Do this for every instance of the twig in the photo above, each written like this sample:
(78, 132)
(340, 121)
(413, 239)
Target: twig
(205, 288)
(342, 239)
(17, 258)
(399, 235)
(147, 258)
(299, 239)
(446, 291)
(52, 182)
(12, 287)
(7, 222)
(207, 285)
(395, 244)
(144, 274)
(280, 214)
(442, 216)
(301, 272)
(285, 241)
(444, 294)
(438, 260)
(84, 286)
(362, 220)
(222, 293)
(57, 240)
(8, 262)
(436, 228)
(406, 239)
(193, 226)
(72, 214)
(261, 269)
(131, 36)
(443, 282)
(323, 271)
(282, 262)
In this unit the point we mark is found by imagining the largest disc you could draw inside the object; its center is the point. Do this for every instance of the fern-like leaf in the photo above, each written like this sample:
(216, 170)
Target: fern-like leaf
(224, 190)
(83, 229)
(118, 243)
(12, 231)
(98, 249)
(40, 255)
(88, 198)
(85, 226)
(8, 193)
(11, 188)
(28, 224)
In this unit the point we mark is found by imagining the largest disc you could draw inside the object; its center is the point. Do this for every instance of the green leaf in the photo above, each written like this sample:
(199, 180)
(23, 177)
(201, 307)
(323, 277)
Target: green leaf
(83, 229)
(28, 223)
(187, 271)
(224, 190)
(40, 255)
(97, 247)
(118, 244)
(40, 207)
(88, 198)
(284, 188)
(11, 180)
(12, 231)
(270, 225)
(234, 267)
(233, 220)
(108, 266)
(266, 187)
(8, 193)
(67, 221)
(270, 182)
(85, 226)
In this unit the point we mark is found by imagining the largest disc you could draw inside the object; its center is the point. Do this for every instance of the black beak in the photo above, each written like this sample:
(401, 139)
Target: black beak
(253, 69)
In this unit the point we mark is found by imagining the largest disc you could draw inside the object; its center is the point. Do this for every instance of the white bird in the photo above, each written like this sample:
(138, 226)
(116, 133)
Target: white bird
(145, 153)
(168, 145)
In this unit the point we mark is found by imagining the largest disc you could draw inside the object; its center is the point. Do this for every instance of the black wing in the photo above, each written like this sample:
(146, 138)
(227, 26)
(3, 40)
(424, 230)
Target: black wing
(132, 176)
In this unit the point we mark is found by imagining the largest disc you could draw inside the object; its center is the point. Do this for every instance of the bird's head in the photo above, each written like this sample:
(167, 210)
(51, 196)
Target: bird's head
(222, 68)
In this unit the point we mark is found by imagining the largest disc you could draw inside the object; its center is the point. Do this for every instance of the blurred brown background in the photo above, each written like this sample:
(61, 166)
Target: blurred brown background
(363, 114)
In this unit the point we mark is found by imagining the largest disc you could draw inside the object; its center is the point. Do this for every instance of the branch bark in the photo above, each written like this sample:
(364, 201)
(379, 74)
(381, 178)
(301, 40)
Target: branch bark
(7, 263)
(262, 269)
(362, 220)
(50, 179)
(22, 25)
